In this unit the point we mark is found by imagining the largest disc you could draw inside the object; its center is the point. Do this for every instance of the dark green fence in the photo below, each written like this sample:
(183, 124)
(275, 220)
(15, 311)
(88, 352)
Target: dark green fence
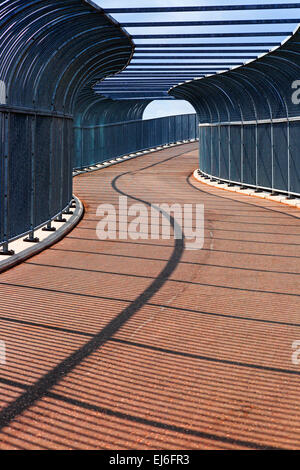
(95, 144)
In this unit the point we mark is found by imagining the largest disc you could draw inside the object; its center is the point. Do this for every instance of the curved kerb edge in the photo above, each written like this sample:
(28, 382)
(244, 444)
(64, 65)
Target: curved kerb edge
(61, 231)
(212, 181)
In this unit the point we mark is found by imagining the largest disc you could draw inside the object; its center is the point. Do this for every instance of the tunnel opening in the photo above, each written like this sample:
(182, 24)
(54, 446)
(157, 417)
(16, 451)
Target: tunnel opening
(163, 108)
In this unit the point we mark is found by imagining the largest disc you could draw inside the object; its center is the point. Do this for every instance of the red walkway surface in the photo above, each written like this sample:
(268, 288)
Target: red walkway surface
(144, 345)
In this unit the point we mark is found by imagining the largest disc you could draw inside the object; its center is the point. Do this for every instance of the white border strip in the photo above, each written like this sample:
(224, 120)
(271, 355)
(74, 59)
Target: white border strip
(7, 262)
(265, 194)
(244, 123)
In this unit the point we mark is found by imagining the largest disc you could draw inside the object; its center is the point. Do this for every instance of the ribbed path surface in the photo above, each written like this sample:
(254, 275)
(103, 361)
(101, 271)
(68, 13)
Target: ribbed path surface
(145, 345)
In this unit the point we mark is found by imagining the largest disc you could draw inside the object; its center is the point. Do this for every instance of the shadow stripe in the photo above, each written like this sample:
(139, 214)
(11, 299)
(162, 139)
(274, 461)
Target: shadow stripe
(207, 358)
(139, 276)
(54, 376)
(144, 421)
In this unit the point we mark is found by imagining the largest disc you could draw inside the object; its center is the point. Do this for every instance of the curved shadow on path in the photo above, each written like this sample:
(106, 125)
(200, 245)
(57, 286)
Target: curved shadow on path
(42, 386)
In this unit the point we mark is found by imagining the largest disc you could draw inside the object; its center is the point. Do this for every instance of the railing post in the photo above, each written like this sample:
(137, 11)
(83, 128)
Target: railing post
(229, 152)
(242, 152)
(201, 166)
(6, 215)
(49, 227)
(60, 217)
(219, 147)
(272, 153)
(31, 238)
(206, 129)
(211, 145)
(256, 155)
(289, 158)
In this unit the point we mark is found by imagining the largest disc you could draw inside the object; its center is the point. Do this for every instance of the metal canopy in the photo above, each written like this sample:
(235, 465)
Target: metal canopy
(249, 120)
(178, 43)
(52, 52)
(267, 83)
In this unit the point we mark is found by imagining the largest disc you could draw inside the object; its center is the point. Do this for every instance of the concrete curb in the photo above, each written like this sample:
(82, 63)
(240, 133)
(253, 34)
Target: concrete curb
(249, 192)
(24, 252)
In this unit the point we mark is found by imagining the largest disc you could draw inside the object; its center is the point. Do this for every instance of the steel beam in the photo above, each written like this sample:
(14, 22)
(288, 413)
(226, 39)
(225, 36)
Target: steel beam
(158, 24)
(205, 45)
(213, 35)
(183, 64)
(274, 6)
(178, 57)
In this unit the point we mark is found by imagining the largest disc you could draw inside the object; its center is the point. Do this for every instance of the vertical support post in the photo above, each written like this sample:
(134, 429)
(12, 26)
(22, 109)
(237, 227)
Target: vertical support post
(211, 147)
(6, 215)
(93, 143)
(219, 148)
(69, 162)
(31, 238)
(199, 150)
(60, 217)
(229, 152)
(49, 227)
(272, 154)
(206, 146)
(81, 146)
(242, 152)
(289, 157)
(256, 155)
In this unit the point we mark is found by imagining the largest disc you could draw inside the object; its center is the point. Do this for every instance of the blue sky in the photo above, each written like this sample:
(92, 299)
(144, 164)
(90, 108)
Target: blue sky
(161, 108)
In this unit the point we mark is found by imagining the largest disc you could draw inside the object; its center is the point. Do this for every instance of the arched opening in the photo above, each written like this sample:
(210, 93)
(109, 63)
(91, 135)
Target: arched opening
(163, 108)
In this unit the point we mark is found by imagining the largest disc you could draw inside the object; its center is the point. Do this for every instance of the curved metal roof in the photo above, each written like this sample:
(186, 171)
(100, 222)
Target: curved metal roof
(53, 50)
(178, 43)
(105, 111)
(261, 89)
(56, 53)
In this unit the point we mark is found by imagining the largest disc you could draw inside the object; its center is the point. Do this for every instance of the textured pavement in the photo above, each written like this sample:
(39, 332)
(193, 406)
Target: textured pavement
(142, 344)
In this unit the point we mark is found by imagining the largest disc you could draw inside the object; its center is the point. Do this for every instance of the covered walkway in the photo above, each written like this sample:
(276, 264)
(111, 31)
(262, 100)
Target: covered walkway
(145, 345)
